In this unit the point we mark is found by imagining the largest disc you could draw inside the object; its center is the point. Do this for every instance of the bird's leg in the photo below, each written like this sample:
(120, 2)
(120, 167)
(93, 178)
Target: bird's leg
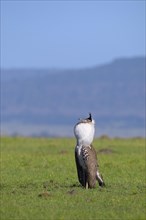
(85, 180)
(87, 185)
(100, 179)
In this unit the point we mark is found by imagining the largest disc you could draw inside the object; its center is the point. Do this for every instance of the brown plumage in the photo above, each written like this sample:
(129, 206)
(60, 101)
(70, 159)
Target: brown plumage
(87, 168)
(91, 167)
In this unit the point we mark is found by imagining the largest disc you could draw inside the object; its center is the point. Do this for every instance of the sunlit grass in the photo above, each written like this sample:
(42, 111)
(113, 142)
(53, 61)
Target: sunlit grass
(39, 180)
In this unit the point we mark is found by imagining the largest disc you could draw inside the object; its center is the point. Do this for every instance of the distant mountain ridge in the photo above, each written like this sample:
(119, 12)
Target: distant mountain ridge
(114, 93)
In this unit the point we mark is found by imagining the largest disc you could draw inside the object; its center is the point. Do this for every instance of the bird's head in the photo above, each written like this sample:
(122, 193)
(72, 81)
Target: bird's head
(87, 120)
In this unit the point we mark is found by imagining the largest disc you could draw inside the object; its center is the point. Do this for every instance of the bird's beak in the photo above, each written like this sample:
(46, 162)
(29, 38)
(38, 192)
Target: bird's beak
(90, 116)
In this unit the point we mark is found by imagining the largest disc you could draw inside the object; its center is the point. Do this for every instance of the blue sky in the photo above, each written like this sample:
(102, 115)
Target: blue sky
(70, 34)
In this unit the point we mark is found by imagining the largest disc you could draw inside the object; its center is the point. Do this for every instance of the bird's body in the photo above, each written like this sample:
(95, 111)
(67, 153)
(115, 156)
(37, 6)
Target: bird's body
(85, 154)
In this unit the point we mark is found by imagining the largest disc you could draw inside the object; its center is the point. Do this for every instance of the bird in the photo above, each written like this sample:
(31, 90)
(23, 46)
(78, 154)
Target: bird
(85, 154)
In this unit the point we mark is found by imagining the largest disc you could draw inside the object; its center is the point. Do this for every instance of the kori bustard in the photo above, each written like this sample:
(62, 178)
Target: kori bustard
(85, 154)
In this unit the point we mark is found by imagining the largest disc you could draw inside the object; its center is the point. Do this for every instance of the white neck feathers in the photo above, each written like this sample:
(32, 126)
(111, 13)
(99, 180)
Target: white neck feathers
(84, 132)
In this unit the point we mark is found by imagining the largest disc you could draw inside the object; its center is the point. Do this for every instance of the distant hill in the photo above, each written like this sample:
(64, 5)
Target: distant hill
(114, 93)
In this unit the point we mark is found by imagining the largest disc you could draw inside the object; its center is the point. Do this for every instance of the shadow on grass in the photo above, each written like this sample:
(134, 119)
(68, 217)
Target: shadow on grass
(51, 184)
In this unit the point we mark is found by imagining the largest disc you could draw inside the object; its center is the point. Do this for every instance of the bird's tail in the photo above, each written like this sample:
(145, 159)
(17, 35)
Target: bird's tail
(100, 179)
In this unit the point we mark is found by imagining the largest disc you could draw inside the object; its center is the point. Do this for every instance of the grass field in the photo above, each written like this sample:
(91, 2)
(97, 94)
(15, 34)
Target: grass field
(39, 180)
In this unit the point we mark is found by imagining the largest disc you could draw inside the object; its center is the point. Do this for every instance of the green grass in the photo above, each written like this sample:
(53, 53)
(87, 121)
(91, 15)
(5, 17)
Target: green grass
(39, 180)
